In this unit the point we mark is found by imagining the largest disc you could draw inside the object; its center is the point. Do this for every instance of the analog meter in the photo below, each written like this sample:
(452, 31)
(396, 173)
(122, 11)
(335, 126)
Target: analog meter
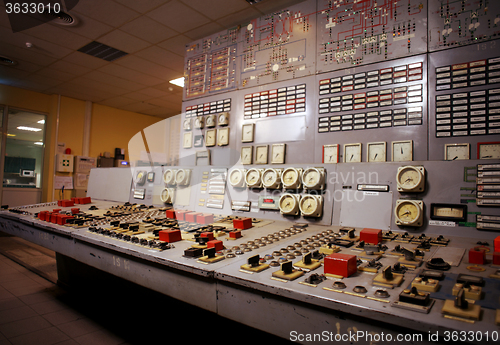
(253, 178)
(237, 177)
(291, 178)
(311, 205)
(289, 204)
(313, 178)
(411, 178)
(271, 178)
(409, 212)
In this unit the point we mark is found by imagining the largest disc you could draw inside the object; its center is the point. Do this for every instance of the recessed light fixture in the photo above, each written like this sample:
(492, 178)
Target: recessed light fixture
(38, 143)
(6, 61)
(41, 121)
(178, 82)
(31, 129)
(10, 135)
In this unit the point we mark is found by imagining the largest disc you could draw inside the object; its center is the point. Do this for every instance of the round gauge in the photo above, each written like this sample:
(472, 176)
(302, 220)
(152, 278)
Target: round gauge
(408, 212)
(187, 125)
(223, 119)
(210, 121)
(169, 176)
(140, 178)
(288, 204)
(182, 177)
(199, 123)
(291, 178)
(311, 205)
(313, 178)
(237, 178)
(253, 178)
(165, 196)
(410, 179)
(271, 178)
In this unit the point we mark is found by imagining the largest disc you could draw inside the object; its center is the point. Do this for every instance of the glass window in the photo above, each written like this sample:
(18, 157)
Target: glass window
(24, 149)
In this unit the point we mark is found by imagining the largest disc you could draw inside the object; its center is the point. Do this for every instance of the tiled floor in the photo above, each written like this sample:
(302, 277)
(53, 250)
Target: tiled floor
(34, 310)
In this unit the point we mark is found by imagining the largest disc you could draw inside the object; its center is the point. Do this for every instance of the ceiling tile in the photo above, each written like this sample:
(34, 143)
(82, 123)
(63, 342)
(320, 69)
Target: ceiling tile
(138, 96)
(275, 5)
(139, 106)
(112, 80)
(145, 66)
(238, 18)
(26, 54)
(123, 41)
(69, 67)
(143, 5)
(85, 60)
(126, 73)
(117, 101)
(58, 35)
(20, 39)
(56, 74)
(88, 27)
(176, 44)
(215, 9)
(178, 16)
(148, 30)
(163, 57)
(204, 31)
(154, 93)
(107, 12)
(99, 86)
(11, 73)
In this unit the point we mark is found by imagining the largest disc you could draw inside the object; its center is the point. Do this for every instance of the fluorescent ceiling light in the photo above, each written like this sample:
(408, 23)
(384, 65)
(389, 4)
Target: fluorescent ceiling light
(31, 129)
(41, 121)
(178, 82)
(10, 135)
(38, 143)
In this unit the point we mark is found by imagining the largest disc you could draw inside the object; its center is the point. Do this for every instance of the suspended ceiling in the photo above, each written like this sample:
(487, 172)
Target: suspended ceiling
(152, 32)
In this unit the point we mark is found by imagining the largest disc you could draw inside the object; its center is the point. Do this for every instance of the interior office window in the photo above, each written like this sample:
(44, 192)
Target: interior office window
(24, 148)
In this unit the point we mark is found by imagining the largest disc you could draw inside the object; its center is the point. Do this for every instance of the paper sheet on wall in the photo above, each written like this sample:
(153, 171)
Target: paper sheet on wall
(66, 181)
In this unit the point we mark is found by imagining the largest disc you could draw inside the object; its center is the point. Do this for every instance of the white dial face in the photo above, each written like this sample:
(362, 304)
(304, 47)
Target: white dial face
(199, 123)
(402, 151)
(278, 154)
(330, 154)
(408, 212)
(165, 195)
(187, 124)
(180, 176)
(253, 177)
(456, 152)
(223, 119)
(168, 176)
(261, 155)
(236, 177)
(210, 137)
(270, 178)
(223, 137)
(409, 178)
(310, 205)
(489, 151)
(377, 152)
(210, 121)
(288, 204)
(312, 178)
(352, 153)
(290, 178)
(246, 155)
(247, 133)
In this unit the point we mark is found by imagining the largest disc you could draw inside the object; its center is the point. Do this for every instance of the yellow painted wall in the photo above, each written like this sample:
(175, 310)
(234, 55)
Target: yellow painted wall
(110, 127)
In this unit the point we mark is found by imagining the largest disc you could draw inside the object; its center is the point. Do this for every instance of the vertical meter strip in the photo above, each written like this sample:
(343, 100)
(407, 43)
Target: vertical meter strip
(147, 148)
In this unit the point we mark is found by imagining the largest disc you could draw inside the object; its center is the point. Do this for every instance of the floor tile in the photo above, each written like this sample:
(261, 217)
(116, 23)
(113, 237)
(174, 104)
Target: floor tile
(48, 306)
(63, 316)
(10, 303)
(100, 337)
(20, 327)
(78, 327)
(47, 336)
(15, 314)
